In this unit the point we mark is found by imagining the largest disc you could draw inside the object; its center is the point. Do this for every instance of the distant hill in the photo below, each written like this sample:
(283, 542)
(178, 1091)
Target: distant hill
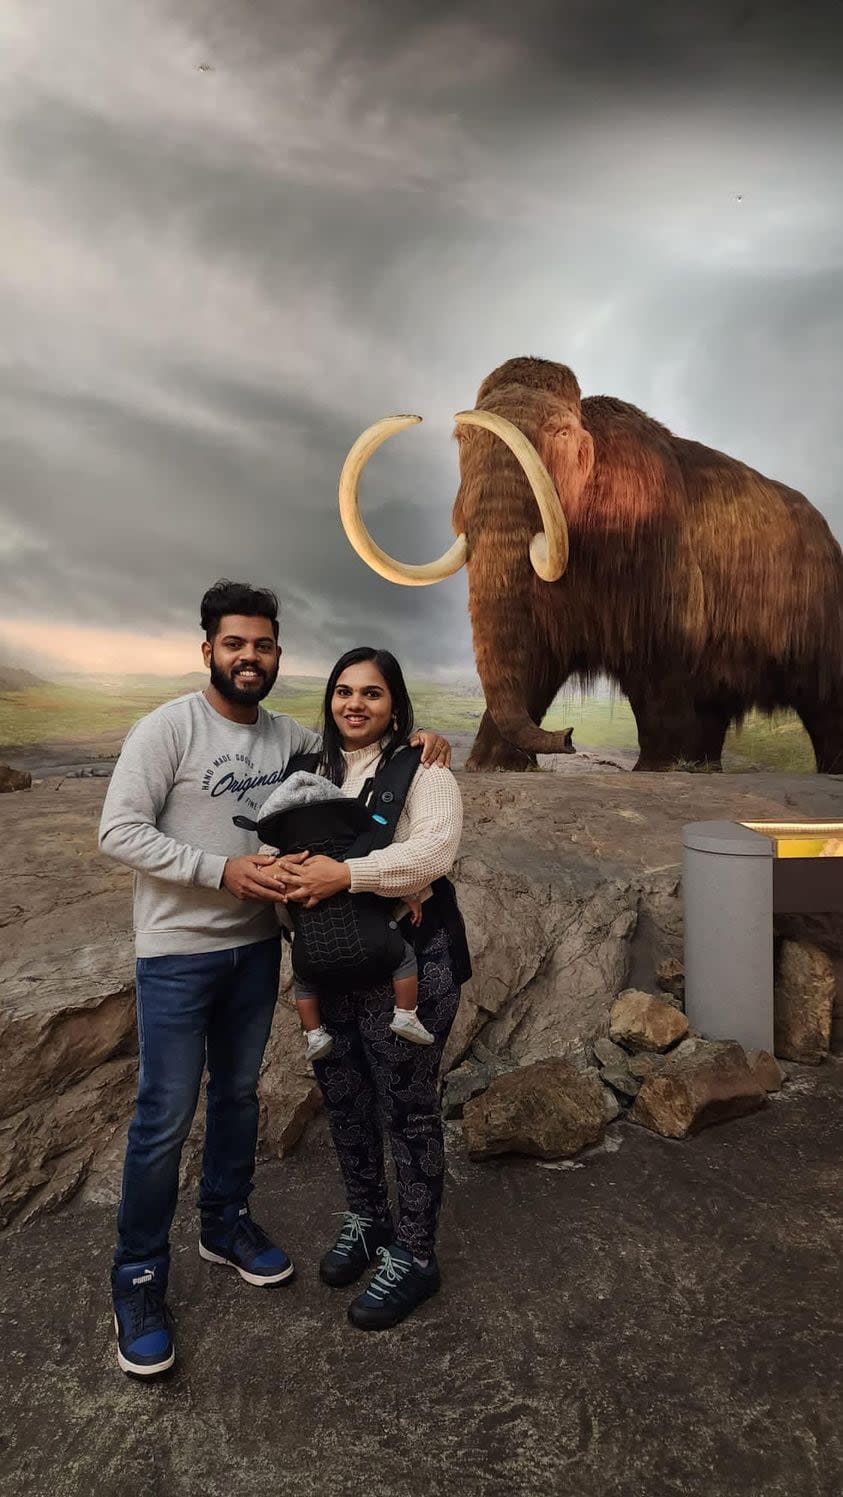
(13, 679)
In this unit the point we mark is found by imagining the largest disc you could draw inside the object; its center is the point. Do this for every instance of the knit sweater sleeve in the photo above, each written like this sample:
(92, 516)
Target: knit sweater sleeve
(426, 844)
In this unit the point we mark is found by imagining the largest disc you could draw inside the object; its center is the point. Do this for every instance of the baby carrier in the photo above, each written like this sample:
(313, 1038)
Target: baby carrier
(352, 940)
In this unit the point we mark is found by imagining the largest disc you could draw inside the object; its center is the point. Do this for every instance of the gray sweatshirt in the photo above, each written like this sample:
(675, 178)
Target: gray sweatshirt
(182, 775)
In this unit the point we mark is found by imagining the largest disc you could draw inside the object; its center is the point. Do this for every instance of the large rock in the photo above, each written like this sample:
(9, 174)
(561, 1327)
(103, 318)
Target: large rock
(709, 1084)
(14, 779)
(570, 889)
(645, 1023)
(766, 1070)
(547, 1109)
(804, 1003)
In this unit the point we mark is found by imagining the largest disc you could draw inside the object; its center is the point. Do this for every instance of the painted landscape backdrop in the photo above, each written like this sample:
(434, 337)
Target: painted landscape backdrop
(91, 713)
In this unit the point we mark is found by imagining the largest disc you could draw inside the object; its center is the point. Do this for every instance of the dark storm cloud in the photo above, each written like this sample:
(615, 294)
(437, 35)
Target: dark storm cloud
(216, 279)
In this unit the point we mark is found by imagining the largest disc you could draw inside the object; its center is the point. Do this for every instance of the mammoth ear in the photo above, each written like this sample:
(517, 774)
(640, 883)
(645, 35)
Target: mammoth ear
(585, 455)
(567, 451)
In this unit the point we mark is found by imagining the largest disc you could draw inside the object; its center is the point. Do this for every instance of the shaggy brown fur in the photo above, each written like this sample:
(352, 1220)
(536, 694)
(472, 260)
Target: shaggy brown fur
(699, 586)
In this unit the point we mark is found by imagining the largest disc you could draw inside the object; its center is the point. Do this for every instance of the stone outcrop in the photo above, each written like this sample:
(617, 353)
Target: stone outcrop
(766, 1070)
(804, 1003)
(709, 1083)
(643, 1022)
(547, 1109)
(14, 779)
(570, 890)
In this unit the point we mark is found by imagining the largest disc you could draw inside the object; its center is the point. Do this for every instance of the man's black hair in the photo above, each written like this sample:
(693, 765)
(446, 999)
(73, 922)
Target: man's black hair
(237, 597)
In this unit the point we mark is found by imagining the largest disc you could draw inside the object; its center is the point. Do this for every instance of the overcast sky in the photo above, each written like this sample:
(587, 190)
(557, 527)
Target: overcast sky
(238, 231)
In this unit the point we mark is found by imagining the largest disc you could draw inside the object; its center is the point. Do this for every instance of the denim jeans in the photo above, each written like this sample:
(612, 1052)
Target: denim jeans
(215, 1007)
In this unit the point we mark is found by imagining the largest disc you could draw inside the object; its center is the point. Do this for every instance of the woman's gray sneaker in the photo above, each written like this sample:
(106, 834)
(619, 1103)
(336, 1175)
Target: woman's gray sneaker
(358, 1239)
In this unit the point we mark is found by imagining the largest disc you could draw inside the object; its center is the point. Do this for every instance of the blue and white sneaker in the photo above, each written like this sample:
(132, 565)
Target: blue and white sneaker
(233, 1238)
(141, 1318)
(399, 1286)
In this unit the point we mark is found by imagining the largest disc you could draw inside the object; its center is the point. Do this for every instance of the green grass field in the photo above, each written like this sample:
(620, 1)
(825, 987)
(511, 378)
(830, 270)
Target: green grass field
(79, 711)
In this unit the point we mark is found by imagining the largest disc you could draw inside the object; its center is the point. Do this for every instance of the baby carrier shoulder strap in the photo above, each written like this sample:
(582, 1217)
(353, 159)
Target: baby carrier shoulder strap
(384, 796)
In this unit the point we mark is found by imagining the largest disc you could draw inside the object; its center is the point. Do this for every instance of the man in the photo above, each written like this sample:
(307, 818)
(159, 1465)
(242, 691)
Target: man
(208, 957)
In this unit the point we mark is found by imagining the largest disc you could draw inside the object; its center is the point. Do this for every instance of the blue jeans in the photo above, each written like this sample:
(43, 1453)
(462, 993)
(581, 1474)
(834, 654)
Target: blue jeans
(216, 1006)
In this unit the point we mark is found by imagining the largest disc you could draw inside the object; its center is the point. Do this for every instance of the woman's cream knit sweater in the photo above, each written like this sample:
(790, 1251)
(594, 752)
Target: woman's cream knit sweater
(427, 836)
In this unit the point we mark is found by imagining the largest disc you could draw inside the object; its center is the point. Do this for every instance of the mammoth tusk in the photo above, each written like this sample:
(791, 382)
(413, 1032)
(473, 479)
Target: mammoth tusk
(352, 522)
(548, 550)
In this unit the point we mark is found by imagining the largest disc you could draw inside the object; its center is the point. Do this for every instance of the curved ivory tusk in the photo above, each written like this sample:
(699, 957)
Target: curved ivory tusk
(548, 551)
(352, 522)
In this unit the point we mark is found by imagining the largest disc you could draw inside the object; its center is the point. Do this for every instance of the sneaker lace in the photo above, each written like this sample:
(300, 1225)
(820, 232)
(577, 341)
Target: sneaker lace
(353, 1230)
(254, 1235)
(391, 1271)
(147, 1309)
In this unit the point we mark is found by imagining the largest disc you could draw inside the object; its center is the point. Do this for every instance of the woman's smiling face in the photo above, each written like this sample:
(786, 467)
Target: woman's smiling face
(361, 705)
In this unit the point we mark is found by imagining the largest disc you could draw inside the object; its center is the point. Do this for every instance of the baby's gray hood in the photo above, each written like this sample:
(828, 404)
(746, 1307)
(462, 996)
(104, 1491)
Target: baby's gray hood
(301, 789)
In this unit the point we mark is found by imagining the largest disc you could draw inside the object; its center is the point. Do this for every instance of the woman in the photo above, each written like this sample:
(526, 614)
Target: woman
(370, 1072)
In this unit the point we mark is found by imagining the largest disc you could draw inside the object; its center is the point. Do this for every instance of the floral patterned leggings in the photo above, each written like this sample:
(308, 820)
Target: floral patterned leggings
(373, 1080)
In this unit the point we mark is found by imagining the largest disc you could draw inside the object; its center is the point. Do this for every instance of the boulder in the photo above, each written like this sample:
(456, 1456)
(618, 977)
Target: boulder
(547, 1110)
(645, 1023)
(670, 976)
(646, 1064)
(708, 1085)
(766, 1070)
(14, 779)
(461, 1084)
(803, 1003)
(610, 1054)
(620, 1080)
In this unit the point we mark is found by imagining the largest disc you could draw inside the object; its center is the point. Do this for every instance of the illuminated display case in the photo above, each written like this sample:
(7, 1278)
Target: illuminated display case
(735, 877)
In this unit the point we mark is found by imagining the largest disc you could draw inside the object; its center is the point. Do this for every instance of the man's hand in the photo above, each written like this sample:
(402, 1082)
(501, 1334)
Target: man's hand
(435, 750)
(250, 878)
(315, 880)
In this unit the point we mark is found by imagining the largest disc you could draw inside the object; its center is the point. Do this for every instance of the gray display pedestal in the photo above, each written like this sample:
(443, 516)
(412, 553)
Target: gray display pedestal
(727, 884)
(733, 883)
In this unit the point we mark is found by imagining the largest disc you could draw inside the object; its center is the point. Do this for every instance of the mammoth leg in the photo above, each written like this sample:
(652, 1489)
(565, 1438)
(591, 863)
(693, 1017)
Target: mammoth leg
(824, 726)
(674, 731)
(491, 751)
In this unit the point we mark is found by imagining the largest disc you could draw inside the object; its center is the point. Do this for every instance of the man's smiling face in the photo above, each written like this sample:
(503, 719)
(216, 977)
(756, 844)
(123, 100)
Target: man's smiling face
(243, 659)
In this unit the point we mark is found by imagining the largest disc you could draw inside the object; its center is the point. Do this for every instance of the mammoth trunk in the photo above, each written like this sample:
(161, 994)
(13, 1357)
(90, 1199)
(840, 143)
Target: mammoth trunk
(520, 680)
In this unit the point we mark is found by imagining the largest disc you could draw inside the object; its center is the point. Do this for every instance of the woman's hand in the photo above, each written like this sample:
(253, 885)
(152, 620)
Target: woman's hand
(435, 750)
(313, 880)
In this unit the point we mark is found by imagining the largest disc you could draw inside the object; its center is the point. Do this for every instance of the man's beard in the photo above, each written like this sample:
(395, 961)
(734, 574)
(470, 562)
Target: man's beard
(245, 695)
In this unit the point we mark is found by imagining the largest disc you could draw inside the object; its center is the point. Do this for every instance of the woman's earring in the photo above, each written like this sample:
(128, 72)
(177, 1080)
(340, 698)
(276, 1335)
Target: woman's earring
(394, 724)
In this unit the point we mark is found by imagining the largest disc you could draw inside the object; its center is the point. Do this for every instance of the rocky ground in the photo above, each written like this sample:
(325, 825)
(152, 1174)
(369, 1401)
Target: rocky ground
(660, 1318)
(647, 1315)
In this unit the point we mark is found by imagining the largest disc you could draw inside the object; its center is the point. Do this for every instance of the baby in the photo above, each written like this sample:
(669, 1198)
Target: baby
(405, 986)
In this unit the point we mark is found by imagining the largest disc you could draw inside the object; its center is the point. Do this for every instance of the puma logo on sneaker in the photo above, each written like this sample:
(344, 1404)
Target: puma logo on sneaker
(144, 1278)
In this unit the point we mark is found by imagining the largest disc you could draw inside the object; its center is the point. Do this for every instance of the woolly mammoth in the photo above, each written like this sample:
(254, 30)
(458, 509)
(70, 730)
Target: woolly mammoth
(599, 544)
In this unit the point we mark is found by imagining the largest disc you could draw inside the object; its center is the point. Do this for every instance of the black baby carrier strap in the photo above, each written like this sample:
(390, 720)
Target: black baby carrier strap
(351, 941)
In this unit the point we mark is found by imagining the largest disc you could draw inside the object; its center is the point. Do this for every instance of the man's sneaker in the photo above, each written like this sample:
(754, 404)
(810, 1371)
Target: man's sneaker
(232, 1238)
(398, 1287)
(141, 1318)
(358, 1238)
(407, 1024)
(317, 1043)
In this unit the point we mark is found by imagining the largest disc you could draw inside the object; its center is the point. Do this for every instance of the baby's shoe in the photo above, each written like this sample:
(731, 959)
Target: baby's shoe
(407, 1024)
(317, 1044)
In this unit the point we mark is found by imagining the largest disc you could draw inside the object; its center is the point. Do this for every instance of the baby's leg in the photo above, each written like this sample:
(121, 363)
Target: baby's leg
(317, 1041)
(405, 985)
(308, 1008)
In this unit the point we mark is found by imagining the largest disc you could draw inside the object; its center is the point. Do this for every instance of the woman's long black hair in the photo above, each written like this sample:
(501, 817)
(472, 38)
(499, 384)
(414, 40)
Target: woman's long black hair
(401, 726)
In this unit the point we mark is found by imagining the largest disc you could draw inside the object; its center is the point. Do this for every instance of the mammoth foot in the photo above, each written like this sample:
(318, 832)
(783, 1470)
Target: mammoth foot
(500, 756)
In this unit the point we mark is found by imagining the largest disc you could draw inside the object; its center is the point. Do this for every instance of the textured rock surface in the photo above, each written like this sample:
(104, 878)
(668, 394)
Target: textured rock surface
(570, 889)
(766, 1070)
(14, 779)
(709, 1084)
(546, 1109)
(646, 1023)
(804, 1003)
